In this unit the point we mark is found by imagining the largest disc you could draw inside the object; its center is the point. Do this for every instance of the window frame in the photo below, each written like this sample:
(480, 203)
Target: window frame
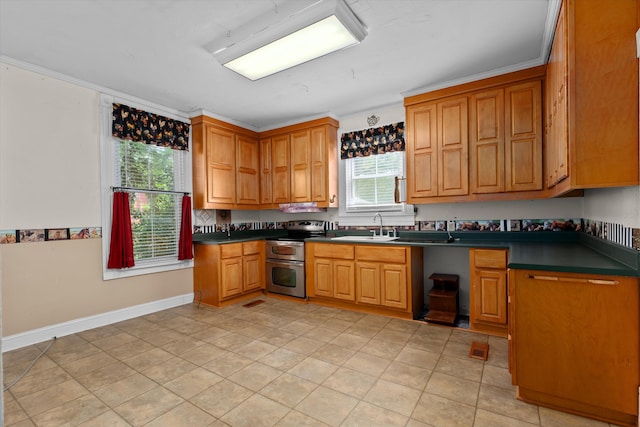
(108, 180)
(349, 184)
(403, 215)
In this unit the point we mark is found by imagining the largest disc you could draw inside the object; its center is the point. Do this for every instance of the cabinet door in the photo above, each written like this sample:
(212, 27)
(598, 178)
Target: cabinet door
(489, 297)
(230, 277)
(280, 159)
(301, 166)
(247, 173)
(323, 280)
(453, 140)
(422, 153)
(368, 283)
(266, 173)
(253, 272)
(393, 286)
(577, 341)
(319, 164)
(343, 280)
(221, 171)
(486, 144)
(556, 118)
(523, 147)
(561, 110)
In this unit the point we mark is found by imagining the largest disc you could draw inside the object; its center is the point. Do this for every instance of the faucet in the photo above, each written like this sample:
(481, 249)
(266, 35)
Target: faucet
(377, 215)
(228, 229)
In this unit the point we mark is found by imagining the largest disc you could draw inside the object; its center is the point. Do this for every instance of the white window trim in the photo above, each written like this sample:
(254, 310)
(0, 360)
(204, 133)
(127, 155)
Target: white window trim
(106, 181)
(404, 216)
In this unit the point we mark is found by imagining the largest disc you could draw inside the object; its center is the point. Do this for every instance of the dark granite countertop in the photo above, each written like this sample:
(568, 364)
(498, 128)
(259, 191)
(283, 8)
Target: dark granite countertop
(543, 251)
(566, 257)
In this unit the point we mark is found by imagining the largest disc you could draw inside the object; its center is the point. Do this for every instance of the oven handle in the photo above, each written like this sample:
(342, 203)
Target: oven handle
(285, 263)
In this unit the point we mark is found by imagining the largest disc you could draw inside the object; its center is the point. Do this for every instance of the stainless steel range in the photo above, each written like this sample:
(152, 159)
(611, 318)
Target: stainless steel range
(285, 258)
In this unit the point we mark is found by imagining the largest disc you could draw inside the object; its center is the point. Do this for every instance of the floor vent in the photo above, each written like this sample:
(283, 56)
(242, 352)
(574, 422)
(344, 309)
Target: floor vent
(253, 303)
(479, 350)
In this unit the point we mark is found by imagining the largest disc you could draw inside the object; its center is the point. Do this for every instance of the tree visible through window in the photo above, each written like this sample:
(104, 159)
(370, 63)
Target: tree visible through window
(155, 216)
(371, 181)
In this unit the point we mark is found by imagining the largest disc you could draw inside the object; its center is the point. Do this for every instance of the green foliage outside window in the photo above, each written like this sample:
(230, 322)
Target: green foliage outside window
(155, 217)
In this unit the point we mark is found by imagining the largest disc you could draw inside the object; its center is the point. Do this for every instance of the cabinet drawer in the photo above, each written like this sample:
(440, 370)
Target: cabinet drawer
(329, 250)
(489, 258)
(382, 254)
(253, 247)
(230, 250)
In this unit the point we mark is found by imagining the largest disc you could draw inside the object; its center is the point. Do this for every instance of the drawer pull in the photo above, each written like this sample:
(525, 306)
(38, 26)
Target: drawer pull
(574, 280)
(549, 278)
(603, 282)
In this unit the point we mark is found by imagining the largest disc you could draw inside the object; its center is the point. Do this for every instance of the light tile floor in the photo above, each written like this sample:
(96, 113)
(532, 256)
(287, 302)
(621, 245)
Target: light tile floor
(279, 363)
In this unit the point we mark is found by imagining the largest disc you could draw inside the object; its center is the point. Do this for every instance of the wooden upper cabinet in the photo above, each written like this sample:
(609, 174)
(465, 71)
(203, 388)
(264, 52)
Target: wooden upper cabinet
(318, 159)
(421, 152)
(247, 171)
(235, 168)
(304, 163)
(301, 166)
(486, 141)
(221, 166)
(225, 165)
(523, 137)
(592, 90)
(505, 132)
(477, 141)
(281, 176)
(437, 149)
(556, 119)
(453, 172)
(266, 172)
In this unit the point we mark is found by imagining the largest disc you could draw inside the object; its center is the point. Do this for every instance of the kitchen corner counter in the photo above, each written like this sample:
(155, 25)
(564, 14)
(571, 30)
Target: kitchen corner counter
(567, 258)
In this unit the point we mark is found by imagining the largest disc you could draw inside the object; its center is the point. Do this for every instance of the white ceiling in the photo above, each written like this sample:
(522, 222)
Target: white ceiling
(154, 50)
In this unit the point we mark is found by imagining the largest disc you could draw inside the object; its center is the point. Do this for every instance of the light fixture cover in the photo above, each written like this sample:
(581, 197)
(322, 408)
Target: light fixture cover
(301, 31)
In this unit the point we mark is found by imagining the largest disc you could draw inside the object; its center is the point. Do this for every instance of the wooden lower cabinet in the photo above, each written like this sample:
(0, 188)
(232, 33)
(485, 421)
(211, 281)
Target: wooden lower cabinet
(333, 270)
(574, 343)
(371, 278)
(488, 291)
(334, 278)
(382, 283)
(226, 273)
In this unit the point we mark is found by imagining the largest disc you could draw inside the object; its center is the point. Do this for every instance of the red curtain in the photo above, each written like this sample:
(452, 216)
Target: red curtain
(185, 245)
(121, 246)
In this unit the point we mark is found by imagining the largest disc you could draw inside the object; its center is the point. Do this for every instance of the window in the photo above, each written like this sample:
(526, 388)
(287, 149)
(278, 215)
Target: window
(370, 181)
(158, 176)
(155, 217)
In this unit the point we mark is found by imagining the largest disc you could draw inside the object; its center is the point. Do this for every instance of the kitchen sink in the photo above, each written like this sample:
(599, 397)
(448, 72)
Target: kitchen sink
(365, 238)
(422, 240)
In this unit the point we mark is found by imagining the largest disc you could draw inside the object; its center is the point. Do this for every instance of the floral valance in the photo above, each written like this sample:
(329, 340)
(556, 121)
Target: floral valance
(368, 142)
(136, 125)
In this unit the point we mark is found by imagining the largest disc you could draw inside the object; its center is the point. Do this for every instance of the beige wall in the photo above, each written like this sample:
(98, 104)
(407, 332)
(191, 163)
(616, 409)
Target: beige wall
(50, 177)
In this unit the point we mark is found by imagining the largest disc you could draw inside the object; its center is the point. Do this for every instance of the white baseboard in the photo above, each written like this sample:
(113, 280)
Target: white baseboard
(34, 336)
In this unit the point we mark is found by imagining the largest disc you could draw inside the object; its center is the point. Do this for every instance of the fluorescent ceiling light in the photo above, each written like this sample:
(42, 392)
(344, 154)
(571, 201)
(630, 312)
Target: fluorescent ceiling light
(299, 32)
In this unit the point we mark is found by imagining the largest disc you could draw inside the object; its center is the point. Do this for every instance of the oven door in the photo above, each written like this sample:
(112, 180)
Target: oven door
(285, 250)
(286, 278)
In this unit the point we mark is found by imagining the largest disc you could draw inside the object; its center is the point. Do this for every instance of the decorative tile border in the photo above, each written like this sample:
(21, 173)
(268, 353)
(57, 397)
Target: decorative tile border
(32, 235)
(240, 226)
